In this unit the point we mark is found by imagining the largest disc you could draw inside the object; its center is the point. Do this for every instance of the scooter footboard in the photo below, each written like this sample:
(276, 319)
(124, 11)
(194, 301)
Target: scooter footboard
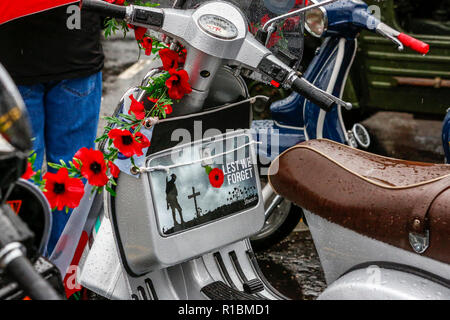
(229, 273)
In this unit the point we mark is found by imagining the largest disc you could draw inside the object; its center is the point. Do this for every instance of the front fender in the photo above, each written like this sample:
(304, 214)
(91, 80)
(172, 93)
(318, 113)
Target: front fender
(376, 283)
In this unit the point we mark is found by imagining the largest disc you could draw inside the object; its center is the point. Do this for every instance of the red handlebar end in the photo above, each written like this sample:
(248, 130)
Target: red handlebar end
(414, 44)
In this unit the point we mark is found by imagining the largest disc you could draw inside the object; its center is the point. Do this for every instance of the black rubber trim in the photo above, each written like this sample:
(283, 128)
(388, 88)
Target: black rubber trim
(403, 268)
(223, 270)
(313, 94)
(218, 290)
(151, 288)
(240, 272)
(104, 8)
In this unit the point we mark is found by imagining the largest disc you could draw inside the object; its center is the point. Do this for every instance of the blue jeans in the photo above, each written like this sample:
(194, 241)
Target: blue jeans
(64, 118)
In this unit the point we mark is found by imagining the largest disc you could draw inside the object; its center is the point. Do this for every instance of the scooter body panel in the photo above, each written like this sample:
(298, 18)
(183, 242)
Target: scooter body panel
(104, 273)
(275, 138)
(446, 136)
(329, 71)
(376, 283)
(341, 249)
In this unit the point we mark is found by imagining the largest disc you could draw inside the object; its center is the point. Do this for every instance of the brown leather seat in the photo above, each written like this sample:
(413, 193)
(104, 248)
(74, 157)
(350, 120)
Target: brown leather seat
(382, 198)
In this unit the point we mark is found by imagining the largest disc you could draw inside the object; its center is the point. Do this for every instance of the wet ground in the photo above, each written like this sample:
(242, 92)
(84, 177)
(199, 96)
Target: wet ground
(292, 266)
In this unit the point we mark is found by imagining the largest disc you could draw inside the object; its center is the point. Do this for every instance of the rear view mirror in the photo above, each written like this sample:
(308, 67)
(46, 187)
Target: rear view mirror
(14, 123)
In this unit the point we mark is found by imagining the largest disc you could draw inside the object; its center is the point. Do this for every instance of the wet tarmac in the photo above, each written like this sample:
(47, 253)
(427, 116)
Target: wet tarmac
(293, 267)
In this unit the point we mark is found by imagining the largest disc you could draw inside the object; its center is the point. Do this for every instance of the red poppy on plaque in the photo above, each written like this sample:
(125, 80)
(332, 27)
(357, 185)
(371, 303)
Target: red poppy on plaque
(147, 44)
(216, 177)
(62, 190)
(169, 59)
(178, 84)
(93, 166)
(137, 108)
(127, 143)
(29, 173)
(113, 169)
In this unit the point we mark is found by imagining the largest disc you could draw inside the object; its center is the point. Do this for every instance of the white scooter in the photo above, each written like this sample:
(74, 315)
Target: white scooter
(201, 251)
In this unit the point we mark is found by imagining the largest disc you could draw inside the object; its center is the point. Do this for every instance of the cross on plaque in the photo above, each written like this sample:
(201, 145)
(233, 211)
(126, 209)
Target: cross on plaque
(194, 196)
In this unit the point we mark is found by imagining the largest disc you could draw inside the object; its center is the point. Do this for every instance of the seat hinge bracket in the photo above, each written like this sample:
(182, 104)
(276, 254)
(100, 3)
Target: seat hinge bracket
(419, 242)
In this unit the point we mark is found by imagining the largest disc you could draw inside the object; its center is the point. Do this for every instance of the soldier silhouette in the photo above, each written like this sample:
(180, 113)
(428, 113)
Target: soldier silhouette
(172, 200)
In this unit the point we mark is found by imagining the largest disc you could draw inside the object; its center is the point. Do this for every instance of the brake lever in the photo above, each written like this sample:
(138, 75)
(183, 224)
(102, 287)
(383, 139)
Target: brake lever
(391, 34)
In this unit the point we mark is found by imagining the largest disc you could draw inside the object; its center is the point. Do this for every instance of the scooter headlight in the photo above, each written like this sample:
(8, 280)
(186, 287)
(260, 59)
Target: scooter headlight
(316, 21)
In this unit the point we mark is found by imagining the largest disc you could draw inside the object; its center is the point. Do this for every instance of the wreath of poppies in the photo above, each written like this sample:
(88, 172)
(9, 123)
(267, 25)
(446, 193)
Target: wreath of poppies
(65, 188)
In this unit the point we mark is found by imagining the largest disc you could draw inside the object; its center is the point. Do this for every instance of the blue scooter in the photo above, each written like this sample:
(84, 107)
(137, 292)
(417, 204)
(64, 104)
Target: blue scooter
(295, 119)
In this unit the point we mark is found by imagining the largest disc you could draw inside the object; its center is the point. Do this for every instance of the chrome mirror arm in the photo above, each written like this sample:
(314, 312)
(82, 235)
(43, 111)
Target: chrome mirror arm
(269, 25)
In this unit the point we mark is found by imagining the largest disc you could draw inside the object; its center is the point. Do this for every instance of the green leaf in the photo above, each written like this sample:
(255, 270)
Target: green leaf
(110, 190)
(54, 165)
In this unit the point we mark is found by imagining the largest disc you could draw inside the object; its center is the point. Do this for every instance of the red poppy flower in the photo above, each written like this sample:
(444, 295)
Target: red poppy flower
(63, 191)
(178, 84)
(118, 2)
(167, 108)
(93, 166)
(128, 144)
(274, 38)
(113, 169)
(29, 172)
(139, 33)
(147, 44)
(264, 19)
(182, 57)
(169, 59)
(137, 108)
(216, 178)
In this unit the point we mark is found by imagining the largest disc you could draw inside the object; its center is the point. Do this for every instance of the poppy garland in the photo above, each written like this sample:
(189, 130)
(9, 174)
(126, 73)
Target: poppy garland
(65, 188)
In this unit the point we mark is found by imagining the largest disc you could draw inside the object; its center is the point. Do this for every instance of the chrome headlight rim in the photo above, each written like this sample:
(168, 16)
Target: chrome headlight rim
(325, 22)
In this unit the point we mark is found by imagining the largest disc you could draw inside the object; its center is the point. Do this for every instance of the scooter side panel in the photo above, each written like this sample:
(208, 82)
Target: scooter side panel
(329, 72)
(341, 249)
(446, 137)
(375, 283)
(275, 138)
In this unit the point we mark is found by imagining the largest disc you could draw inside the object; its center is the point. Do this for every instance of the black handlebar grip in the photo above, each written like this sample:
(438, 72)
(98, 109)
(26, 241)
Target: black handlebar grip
(313, 94)
(21, 270)
(104, 8)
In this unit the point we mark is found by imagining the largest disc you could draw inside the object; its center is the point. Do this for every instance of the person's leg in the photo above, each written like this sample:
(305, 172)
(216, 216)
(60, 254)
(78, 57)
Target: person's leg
(72, 112)
(174, 216)
(33, 97)
(180, 211)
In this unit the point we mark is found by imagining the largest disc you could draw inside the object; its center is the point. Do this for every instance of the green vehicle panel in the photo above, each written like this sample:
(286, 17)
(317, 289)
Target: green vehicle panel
(382, 78)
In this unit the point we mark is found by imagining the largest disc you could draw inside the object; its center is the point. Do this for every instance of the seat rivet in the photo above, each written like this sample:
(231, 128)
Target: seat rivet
(416, 224)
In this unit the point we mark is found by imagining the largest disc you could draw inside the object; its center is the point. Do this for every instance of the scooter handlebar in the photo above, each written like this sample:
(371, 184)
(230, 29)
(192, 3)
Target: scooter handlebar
(313, 94)
(414, 44)
(402, 39)
(105, 8)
